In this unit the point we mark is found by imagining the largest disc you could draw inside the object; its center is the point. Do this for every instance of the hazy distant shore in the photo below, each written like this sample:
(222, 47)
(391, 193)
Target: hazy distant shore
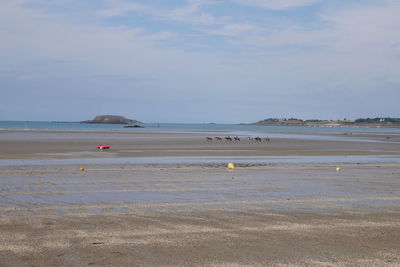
(364, 123)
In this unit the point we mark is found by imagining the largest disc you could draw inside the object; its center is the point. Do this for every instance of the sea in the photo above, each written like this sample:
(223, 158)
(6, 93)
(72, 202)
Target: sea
(191, 127)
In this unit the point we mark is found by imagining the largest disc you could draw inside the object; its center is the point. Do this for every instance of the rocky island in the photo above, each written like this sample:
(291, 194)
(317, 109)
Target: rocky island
(368, 122)
(111, 119)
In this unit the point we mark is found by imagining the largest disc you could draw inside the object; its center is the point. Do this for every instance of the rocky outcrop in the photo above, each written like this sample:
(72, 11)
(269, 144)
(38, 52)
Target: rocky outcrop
(111, 119)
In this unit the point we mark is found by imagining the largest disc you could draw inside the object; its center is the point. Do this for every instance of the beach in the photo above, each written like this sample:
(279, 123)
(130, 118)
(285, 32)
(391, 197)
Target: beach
(166, 198)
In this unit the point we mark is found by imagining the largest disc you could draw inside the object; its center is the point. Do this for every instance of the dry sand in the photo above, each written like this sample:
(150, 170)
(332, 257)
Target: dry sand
(125, 212)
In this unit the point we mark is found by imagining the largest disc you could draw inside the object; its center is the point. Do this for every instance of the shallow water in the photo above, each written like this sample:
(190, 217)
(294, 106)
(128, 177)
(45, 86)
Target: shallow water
(289, 190)
(202, 160)
(182, 127)
(317, 136)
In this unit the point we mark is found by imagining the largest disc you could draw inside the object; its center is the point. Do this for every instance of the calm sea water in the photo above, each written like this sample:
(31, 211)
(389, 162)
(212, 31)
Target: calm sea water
(76, 126)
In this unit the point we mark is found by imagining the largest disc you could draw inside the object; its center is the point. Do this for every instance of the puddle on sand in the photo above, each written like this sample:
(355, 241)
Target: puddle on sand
(72, 154)
(201, 160)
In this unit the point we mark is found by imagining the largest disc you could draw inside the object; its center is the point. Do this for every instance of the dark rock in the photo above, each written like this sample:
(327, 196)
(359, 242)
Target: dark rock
(111, 119)
(134, 126)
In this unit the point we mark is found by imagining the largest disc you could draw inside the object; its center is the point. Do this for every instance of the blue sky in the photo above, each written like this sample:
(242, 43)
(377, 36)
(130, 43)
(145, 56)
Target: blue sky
(199, 60)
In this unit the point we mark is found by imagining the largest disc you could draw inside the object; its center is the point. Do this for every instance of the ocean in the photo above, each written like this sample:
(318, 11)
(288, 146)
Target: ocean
(184, 127)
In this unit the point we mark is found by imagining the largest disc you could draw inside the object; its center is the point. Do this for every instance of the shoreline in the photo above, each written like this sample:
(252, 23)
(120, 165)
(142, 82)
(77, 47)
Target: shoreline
(167, 199)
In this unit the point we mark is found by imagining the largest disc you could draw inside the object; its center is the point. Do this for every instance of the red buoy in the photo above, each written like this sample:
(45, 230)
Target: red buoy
(102, 147)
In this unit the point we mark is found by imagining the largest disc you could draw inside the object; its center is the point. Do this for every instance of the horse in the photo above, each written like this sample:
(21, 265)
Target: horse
(236, 138)
(258, 139)
(209, 139)
(218, 138)
(267, 139)
(250, 138)
(228, 138)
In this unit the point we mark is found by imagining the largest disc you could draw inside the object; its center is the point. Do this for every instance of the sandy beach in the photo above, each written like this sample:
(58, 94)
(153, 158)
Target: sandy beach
(167, 199)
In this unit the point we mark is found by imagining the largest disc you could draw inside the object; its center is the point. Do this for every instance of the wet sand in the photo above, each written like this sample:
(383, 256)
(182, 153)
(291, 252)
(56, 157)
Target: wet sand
(54, 144)
(132, 207)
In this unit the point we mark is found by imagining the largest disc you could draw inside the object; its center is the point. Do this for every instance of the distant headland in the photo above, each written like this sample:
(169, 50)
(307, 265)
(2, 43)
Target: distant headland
(111, 119)
(368, 122)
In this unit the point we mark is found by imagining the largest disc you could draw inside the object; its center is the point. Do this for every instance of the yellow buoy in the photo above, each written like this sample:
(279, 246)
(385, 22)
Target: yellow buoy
(81, 169)
(338, 169)
(231, 166)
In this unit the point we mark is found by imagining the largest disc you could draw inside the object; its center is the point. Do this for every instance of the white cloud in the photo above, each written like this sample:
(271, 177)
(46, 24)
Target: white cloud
(34, 37)
(191, 13)
(120, 8)
(231, 30)
(359, 39)
(277, 4)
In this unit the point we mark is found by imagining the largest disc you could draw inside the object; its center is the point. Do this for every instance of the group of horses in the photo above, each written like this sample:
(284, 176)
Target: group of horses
(236, 138)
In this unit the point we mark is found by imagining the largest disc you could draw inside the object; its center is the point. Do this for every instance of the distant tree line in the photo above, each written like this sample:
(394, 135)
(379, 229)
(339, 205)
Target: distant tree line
(377, 120)
(283, 119)
(367, 120)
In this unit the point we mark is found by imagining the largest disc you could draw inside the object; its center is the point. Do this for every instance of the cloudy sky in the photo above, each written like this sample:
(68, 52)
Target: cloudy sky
(199, 60)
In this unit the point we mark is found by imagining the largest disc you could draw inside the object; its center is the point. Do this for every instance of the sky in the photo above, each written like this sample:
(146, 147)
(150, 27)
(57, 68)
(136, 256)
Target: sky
(199, 61)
